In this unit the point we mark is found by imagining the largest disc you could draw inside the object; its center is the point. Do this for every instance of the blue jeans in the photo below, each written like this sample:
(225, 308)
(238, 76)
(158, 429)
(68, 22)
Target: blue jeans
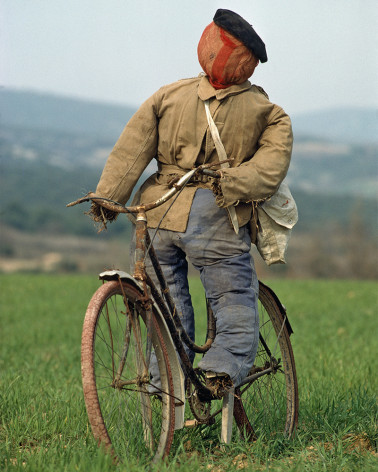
(227, 273)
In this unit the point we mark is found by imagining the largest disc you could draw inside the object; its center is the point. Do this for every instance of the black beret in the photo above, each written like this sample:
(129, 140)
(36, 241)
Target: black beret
(242, 30)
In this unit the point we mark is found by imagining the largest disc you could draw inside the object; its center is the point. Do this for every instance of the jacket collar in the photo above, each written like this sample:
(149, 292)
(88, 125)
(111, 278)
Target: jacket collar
(207, 91)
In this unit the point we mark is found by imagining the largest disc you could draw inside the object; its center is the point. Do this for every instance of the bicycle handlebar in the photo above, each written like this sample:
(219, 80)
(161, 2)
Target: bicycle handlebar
(176, 187)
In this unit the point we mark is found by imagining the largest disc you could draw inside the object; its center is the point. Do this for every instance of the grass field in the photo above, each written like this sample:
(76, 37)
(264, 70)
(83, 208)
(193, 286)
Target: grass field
(43, 423)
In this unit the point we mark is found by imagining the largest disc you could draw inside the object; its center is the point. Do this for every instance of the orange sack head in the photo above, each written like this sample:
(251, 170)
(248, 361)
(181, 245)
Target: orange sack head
(229, 50)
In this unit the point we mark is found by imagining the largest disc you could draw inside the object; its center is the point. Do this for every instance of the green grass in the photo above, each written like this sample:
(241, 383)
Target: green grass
(43, 423)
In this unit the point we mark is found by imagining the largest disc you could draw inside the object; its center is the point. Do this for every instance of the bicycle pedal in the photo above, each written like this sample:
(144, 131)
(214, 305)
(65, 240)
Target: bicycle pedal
(218, 384)
(211, 375)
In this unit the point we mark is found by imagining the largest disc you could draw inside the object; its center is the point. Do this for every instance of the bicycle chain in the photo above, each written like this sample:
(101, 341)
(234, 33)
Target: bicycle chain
(200, 410)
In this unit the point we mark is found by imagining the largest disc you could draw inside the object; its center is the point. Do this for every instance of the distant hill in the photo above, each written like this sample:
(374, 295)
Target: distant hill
(53, 149)
(334, 168)
(69, 133)
(67, 115)
(28, 109)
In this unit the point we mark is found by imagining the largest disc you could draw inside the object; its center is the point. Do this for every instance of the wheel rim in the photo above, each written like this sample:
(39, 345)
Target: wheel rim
(267, 406)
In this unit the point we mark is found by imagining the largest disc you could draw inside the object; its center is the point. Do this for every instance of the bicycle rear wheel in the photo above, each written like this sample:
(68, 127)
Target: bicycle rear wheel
(119, 339)
(268, 405)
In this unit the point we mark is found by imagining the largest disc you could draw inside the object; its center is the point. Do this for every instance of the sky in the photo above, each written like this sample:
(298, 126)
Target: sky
(321, 53)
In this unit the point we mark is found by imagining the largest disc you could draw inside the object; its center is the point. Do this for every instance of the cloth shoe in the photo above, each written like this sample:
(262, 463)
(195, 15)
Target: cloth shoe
(218, 383)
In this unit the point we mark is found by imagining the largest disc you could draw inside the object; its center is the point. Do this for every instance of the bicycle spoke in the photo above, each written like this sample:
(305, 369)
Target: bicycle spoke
(124, 350)
(104, 338)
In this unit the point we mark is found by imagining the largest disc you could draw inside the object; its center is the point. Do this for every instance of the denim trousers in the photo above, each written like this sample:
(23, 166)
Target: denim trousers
(227, 272)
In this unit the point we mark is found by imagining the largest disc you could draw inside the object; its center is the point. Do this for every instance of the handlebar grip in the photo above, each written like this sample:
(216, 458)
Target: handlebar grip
(211, 173)
(105, 202)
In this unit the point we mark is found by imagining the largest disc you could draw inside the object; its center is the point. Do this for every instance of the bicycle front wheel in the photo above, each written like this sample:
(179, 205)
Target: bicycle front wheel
(268, 405)
(120, 340)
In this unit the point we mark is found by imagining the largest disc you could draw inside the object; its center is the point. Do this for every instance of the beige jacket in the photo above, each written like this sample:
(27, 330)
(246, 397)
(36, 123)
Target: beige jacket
(171, 126)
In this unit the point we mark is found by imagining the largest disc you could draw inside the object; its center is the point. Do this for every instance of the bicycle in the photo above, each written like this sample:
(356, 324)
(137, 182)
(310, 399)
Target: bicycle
(129, 321)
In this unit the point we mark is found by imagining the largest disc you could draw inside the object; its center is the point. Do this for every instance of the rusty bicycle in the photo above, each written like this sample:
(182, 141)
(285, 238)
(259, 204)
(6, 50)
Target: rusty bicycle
(130, 320)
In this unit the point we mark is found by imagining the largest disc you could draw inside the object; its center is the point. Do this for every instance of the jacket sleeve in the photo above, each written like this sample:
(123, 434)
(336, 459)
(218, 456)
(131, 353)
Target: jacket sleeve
(133, 151)
(259, 177)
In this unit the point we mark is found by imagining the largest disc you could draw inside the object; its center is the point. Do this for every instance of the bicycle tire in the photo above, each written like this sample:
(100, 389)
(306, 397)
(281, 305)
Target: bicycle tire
(268, 405)
(117, 341)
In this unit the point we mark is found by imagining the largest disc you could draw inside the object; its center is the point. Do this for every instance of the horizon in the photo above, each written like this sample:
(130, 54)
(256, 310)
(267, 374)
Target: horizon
(104, 102)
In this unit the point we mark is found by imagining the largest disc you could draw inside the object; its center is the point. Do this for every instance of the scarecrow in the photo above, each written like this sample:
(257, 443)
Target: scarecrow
(172, 127)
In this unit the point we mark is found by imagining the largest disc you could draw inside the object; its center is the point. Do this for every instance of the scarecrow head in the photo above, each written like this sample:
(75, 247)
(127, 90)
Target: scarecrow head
(229, 50)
